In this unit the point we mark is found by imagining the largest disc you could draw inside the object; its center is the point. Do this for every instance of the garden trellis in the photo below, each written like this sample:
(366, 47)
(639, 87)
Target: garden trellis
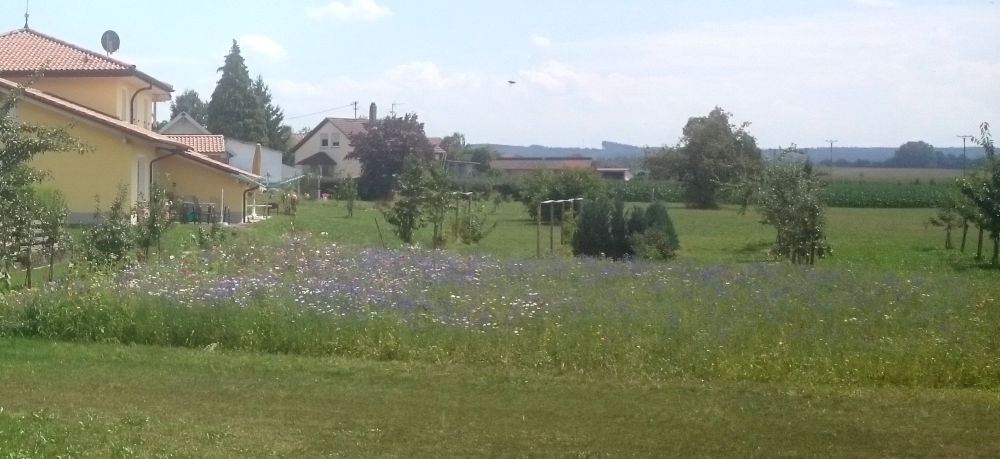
(552, 207)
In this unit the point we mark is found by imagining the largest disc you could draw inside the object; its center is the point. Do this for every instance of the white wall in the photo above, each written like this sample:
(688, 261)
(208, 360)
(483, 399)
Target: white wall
(270, 160)
(345, 167)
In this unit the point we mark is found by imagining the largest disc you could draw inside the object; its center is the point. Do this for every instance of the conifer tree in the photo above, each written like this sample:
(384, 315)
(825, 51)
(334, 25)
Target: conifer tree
(234, 110)
(274, 117)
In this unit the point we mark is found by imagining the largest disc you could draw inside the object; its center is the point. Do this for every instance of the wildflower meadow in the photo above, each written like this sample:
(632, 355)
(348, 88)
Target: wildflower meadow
(634, 319)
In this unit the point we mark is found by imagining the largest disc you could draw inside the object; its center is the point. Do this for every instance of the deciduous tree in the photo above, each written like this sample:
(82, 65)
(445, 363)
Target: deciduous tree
(712, 152)
(189, 102)
(382, 150)
(19, 143)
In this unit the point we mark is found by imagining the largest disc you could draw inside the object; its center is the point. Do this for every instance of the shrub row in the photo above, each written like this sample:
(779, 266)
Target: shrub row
(835, 194)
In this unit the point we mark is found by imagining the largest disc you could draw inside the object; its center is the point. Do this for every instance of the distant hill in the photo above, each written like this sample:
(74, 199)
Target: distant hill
(615, 150)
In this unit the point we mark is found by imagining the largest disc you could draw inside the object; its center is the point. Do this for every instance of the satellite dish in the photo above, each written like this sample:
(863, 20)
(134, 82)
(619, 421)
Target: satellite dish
(110, 41)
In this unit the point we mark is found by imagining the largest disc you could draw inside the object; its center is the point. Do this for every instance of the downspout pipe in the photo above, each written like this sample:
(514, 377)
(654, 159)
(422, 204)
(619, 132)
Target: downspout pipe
(248, 190)
(131, 104)
(172, 153)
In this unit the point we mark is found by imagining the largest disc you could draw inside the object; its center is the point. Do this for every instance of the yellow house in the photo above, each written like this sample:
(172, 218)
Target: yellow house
(108, 105)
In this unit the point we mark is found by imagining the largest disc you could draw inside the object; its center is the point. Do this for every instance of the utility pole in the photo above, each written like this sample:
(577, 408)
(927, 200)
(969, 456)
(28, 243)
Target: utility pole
(392, 109)
(831, 142)
(355, 104)
(964, 138)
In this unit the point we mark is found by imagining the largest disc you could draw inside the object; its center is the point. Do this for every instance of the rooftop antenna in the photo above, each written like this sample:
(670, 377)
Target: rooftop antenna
(26, 8)
(392, 110)
(110, 41)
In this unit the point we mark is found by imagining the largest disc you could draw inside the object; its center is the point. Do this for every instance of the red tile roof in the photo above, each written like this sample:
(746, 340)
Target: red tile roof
(551, 163)
(25, 51)
(202, 143)
(121, 126)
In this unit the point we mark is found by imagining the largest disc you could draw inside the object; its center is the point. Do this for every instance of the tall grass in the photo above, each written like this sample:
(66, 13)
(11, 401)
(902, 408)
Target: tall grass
(636, 320)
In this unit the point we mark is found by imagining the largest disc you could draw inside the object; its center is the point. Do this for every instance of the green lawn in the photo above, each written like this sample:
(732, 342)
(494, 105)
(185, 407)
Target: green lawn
(105, 400)
(66, 399)
(874, 239)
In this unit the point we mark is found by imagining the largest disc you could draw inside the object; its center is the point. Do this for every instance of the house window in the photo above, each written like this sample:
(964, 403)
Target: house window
(324, 140)
(335, 139)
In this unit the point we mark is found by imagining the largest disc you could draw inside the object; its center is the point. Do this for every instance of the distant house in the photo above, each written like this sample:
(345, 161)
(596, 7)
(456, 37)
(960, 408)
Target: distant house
(184, 124)
(325, 148)
(237, 153)
(437, 144)
(615, 173)
(523, 166)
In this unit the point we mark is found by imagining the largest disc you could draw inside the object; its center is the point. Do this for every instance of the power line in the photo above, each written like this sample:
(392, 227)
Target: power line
(321, 111)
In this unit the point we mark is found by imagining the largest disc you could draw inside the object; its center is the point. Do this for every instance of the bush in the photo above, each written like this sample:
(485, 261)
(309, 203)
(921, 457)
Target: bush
(113, 237)
(657, 238)
(604, 230)
(547, 185)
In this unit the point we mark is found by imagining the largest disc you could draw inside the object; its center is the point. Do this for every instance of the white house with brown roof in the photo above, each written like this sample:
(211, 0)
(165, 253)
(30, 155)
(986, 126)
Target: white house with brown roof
(325, 148)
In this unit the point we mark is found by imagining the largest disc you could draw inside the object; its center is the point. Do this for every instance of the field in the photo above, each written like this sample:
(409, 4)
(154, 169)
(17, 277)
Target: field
(887, 174)
(304, 337)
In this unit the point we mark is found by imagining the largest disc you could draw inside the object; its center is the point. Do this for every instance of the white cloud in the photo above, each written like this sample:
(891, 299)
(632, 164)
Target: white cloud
(356, 10)
(541, 41)
(867, 77)
(263, 45)
(877, 3)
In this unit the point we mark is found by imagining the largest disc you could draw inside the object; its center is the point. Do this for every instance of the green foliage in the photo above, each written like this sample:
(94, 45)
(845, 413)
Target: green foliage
(109, 241)
(347, 191)
(19, 143)
(189, 102)
(482, 156)
(786, 193)
(235, 110)
(712, 152)
(383, 148)
(593, 234)
(154, 217)
(547, 185)
(984, 192)
(211, 238)
(651, 233)
(278, 133)
(473, 221)
(424, 196)
(914, 154)
(883, 194)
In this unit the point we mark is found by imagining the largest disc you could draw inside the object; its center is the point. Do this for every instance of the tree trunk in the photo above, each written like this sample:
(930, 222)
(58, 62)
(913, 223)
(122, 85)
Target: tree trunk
(996, 248)
(947, 238)
(965, 232)
(979, 245)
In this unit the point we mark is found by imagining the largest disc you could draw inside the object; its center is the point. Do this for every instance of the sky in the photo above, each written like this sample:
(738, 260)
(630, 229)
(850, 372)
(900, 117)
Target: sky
(863, 72)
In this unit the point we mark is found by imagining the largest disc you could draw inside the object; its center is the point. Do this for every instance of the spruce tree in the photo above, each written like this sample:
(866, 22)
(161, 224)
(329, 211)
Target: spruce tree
(274, 117)
(234, 110)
